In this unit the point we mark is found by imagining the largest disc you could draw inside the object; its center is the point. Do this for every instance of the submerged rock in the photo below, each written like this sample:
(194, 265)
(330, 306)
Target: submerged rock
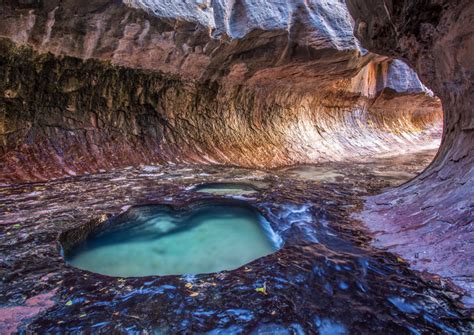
(326, 278)
(203, 237)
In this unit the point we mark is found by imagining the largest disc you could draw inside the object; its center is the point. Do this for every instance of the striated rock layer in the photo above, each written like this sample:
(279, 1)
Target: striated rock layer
(252, 83)
(430, 221)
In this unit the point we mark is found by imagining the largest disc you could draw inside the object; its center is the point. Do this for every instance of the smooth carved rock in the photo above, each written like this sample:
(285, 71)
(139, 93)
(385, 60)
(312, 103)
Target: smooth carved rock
(92, 86)
(431, 219)
(269, 42)
(88, 116)
(289, 86)
(192, 39)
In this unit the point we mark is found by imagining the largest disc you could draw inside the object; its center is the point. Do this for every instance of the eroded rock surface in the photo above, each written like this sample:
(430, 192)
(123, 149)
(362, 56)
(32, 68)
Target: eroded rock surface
(257, 84)
(430, 221)
(326, 275)
(192, 38)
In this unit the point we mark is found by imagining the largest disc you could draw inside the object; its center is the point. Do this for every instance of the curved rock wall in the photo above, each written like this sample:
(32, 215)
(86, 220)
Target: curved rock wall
(431, 220)
(253, 83)
(63, 116)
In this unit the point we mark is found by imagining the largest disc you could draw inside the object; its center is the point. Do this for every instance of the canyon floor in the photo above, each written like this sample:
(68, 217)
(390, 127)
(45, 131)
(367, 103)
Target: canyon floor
(326, 278)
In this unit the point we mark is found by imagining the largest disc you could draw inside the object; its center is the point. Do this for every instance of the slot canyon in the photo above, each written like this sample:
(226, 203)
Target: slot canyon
(237, 167)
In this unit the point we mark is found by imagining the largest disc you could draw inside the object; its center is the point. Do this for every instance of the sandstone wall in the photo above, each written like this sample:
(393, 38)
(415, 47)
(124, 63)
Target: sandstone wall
(431, 220)
(259, 84)
(64, 116)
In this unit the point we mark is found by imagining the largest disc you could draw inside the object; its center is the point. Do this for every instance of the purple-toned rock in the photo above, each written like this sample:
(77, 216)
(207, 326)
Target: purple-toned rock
(430, 221)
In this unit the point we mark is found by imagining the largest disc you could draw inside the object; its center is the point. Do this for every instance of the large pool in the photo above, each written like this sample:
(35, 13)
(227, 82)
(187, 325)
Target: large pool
(158, 240)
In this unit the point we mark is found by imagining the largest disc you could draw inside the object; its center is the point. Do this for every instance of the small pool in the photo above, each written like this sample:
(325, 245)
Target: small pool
(314, 173)
(158, 240)
(226, 189)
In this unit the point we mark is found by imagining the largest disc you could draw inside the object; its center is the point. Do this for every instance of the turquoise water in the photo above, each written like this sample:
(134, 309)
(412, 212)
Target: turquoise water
(155, 240)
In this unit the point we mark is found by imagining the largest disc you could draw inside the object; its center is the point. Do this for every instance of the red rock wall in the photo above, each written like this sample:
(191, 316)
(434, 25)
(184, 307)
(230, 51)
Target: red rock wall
(431, 220)
(62, 116)
(249, 86)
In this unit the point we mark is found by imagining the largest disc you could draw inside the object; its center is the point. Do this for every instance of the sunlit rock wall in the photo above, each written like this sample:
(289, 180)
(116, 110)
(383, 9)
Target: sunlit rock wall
(430, 220)
(252, 83)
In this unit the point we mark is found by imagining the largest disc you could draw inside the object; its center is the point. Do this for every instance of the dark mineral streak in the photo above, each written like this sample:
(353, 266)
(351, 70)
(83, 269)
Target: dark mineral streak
(163, 86)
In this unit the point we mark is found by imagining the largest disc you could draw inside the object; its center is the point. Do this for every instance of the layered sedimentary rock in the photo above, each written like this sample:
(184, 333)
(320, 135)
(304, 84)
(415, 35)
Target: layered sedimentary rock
(430, 220)
(254, 84)
(193, 39)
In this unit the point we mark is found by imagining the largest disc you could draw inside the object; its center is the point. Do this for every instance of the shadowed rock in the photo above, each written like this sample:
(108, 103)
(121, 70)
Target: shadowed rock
(430, 221)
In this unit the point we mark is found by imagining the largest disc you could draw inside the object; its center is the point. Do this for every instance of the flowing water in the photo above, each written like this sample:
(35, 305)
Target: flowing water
(156, 240)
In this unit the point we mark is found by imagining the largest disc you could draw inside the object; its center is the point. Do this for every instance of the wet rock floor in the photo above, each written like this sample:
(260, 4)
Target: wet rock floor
(326, 279)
